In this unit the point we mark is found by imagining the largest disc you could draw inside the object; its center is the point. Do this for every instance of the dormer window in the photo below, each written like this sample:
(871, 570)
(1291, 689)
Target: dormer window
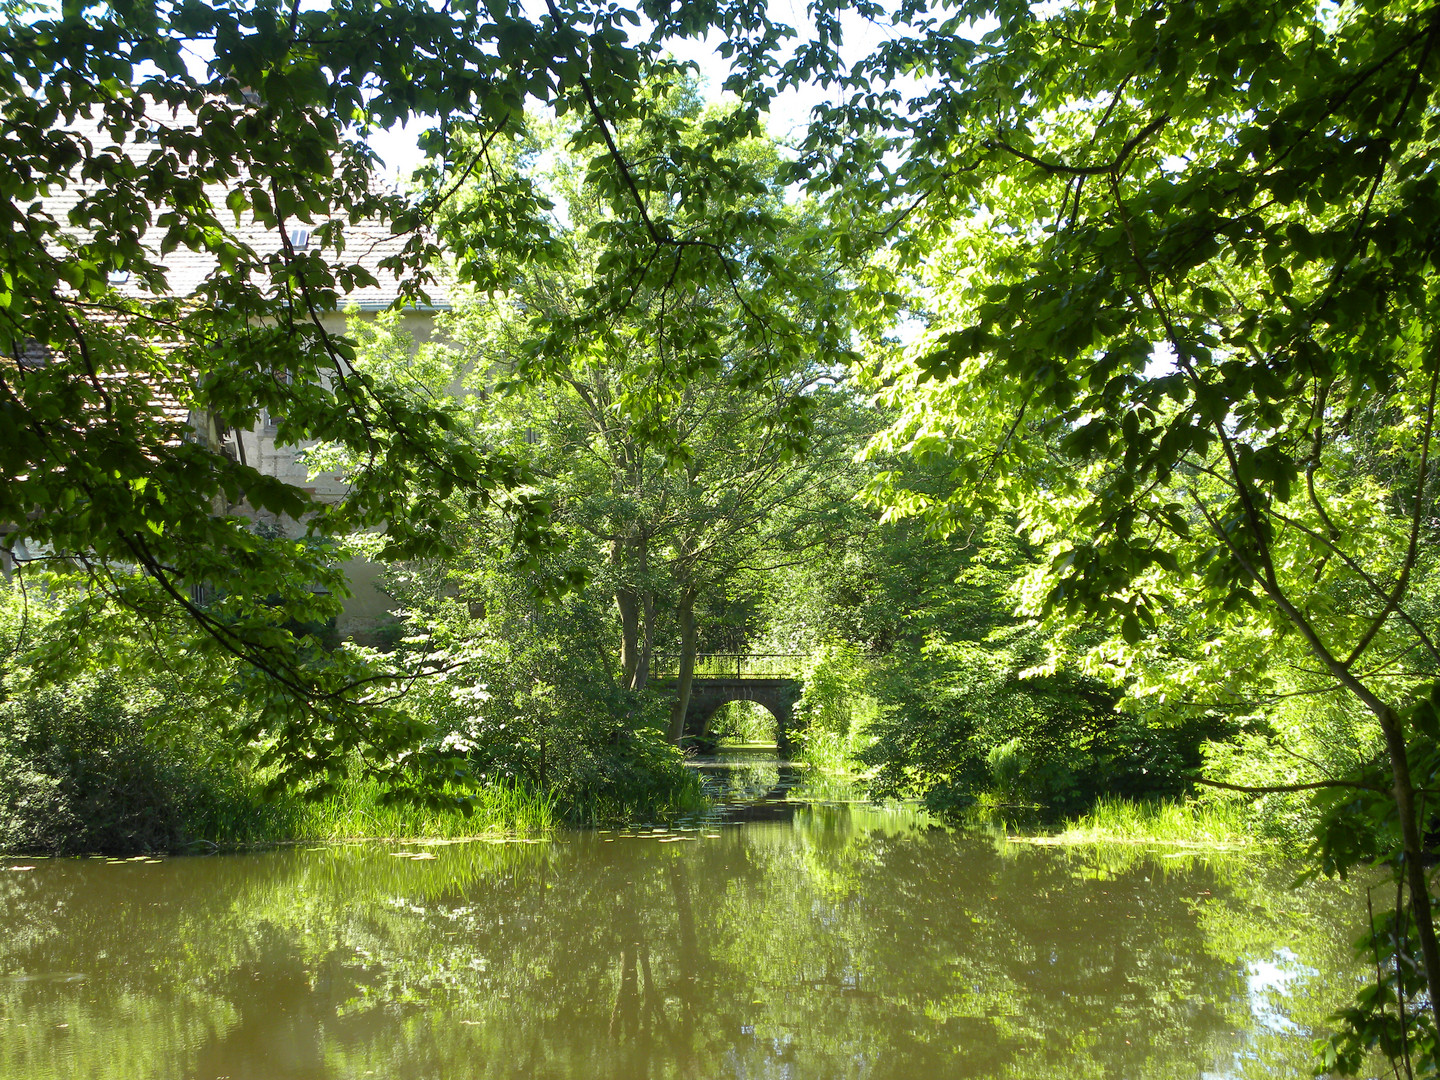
(118, 277)
(299, 239)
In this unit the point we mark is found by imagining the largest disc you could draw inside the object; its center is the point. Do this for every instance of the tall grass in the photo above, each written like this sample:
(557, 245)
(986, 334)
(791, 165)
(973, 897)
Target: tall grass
(835, 752)
(356, 811)
(827, 751)
(677, 793)
(1114, 819)
(233, 811)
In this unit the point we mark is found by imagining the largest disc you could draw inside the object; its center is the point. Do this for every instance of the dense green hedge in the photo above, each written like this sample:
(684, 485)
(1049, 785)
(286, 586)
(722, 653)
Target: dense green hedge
(95, 766)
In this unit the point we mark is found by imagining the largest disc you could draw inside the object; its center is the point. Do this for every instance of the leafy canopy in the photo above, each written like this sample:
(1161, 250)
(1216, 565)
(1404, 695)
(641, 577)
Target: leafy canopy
(1178, 263)
(119, 393)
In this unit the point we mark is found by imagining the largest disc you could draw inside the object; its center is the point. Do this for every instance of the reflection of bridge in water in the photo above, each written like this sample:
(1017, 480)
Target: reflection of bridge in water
(746, 784)
(771, 680)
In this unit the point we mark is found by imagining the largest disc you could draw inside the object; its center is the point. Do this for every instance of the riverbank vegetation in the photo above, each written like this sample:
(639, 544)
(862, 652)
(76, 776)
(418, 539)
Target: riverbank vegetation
(134, 753)
(1171, 822)
(1071, 425)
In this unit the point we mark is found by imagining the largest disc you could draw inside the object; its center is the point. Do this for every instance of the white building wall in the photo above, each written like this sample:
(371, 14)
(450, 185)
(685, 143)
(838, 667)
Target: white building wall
(369, 607)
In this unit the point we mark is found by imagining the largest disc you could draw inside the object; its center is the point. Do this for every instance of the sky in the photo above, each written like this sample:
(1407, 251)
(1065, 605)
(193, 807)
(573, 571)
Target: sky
(789, 115)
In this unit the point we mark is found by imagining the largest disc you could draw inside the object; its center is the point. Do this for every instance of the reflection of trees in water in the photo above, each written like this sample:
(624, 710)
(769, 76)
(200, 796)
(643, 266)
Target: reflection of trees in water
(852, 942)
(739, 777)
(648, 1017)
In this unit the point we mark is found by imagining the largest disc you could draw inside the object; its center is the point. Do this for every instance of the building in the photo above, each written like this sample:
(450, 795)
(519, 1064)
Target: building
(188, 273)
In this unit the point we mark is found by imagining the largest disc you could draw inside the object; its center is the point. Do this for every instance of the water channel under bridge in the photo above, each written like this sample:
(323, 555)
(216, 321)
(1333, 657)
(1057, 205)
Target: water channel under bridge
(770, 680)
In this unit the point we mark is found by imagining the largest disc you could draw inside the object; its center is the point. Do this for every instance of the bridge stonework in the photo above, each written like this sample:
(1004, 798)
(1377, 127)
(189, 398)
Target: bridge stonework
(768, 679)
(776, 695)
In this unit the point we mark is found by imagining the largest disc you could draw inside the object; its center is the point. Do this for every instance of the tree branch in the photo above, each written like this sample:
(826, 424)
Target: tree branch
(1059, 168)
(1393, 600)
(1283, 789)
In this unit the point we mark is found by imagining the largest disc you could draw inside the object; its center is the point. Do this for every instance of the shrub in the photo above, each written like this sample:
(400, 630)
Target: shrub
(834, 714)
(1009, 765)
(85, 768)
(593, 751)
(963, 720)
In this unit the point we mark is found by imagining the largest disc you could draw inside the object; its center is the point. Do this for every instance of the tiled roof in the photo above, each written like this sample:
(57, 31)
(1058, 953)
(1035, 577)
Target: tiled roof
(33, 355)
(166, 390)
(367, 243)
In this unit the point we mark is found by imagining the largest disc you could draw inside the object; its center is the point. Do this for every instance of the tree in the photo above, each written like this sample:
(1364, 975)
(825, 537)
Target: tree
(102, 472)
(1180, 260)
(677, 447)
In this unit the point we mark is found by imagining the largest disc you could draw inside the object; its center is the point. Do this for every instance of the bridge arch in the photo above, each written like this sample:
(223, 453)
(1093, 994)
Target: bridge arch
(775, 696)
(767, 680)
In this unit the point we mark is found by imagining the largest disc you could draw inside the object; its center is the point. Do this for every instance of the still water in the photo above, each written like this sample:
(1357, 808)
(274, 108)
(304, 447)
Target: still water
(791, 935)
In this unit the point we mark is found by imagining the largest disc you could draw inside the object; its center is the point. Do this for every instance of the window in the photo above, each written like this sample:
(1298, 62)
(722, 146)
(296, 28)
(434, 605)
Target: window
(271, 419)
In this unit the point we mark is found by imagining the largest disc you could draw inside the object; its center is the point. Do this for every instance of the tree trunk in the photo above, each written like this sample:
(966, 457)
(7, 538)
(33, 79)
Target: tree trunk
(647, 640)
(686, 614)
(627, 603)
(1414, 854)
(647, 616)
(636, 605)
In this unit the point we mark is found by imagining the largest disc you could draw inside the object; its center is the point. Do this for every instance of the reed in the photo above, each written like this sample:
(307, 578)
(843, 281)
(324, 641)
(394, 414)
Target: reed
(663, 799)
(356, 810)
(1115, 819)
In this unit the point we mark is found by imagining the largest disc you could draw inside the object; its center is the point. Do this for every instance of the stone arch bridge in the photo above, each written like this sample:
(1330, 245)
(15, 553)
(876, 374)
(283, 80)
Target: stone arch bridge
(771, 680)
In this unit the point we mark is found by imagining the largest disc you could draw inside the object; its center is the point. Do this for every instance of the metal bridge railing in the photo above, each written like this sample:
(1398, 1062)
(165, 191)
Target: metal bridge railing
(733, 666)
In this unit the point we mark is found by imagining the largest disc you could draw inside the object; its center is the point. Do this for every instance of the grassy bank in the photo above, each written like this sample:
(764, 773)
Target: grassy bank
(357, 811)
(101, 766)
(1177, 823)
(170, 806)
(238, 817)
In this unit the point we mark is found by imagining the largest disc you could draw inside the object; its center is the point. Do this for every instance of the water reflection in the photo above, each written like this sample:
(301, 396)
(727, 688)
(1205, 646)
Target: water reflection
(847, 941)
(749, 786)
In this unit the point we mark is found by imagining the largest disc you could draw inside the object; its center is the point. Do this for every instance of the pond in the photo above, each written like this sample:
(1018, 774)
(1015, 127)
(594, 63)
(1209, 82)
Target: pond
(793, 934)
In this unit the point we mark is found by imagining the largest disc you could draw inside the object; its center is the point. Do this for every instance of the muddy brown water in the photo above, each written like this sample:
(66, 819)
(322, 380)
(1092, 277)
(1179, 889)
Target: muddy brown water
(792, 934)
